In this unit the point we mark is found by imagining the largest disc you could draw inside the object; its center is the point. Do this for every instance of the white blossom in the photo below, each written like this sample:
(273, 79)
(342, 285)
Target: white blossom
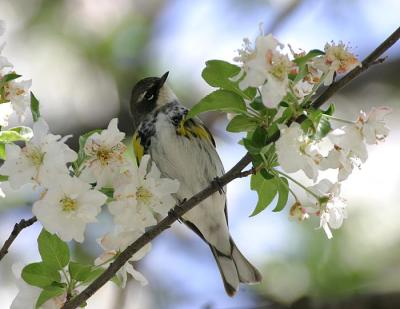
(105, 155)
(43, 158)
(350, 139)
(302, 89)
(28, 295)
(265, 66)
(337, 59)
(18, 94)
(68, 206)
(332, 208)
(6, 111)
(372, 125)
(145, 193)
(297, 152)
(342, 160)
(113, 244)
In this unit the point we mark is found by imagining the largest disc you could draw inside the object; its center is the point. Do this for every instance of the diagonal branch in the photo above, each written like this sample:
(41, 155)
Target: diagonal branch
(235, 172)
(18, 227)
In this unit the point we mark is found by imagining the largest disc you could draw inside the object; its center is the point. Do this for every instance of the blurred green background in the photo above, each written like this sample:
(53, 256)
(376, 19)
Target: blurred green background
(84, 56)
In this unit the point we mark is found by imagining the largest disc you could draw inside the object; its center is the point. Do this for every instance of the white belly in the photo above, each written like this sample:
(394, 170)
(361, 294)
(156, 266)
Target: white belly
(194, 163)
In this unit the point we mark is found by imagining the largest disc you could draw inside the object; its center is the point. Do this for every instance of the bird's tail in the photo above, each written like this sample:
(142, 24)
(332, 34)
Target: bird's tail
(235, 269)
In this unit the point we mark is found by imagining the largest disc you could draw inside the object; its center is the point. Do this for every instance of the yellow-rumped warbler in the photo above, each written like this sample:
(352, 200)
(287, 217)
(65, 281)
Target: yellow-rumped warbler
(185, 150)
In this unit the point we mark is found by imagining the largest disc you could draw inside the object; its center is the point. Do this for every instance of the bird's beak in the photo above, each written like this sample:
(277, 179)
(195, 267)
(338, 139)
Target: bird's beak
(163, 79)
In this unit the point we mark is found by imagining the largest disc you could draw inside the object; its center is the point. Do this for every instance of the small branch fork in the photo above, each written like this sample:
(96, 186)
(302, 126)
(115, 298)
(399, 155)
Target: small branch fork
(18, 227)
(234, 173)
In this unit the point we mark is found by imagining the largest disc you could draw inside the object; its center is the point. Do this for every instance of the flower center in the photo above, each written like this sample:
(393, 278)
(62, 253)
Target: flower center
(8, 91)
(104, 155)
(35, 155)
(143, 195)
(68, 204)
(279, 70)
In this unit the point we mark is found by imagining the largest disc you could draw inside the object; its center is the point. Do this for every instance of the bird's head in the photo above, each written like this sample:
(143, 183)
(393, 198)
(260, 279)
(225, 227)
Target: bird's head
(148, 95)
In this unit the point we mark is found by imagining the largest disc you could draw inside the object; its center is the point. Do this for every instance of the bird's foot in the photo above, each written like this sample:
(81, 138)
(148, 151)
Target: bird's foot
(217, 182)
(173, 213)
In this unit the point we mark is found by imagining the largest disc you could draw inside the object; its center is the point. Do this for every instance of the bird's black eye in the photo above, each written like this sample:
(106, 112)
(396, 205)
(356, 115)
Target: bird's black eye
(149, 96)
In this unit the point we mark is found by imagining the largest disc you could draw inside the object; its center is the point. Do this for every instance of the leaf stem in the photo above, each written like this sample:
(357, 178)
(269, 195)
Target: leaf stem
(287, 186)
(299, 184)
(338, 119)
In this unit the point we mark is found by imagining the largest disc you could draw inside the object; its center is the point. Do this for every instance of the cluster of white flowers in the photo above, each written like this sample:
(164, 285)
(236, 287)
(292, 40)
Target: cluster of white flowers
(265, 66)
(69, 202)
(70, 183)
(342, 149)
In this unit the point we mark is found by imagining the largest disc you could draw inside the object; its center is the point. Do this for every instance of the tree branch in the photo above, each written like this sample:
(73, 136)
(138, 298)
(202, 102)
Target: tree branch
(235, 172)
(18, 227)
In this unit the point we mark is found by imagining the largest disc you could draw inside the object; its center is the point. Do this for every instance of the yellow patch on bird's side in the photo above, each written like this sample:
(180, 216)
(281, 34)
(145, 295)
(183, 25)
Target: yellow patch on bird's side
(138, 149)
(190, 129)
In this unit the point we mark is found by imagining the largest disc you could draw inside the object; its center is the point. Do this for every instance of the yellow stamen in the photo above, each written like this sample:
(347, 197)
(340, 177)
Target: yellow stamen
(143, 195)
(104, 156)
(68, 204)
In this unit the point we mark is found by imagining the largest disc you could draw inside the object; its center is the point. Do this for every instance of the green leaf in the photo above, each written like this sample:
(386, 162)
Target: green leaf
(108, 191)
(9, 77)
(2, 151)
(218, 73)
(266, 190)
(35, 107)
(220, 100)
(259, 137)
(16, 134)
(53, 250)
(258, 105)
(94, 273)
(242, 123)
(248, 144)
(303, 71)
(320, 124)
(323, 128)
(266, 174)
(302, 64)
(311, 54)
(286, 115)
(330, 110)
(48, 293)
(308, 126)
(79, 272)
(283, 193)
(3, 178)
(25, 132)
(39, 274)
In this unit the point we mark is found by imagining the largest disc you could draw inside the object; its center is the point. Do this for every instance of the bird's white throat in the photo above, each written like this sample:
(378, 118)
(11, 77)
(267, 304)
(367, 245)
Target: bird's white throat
(165, 96)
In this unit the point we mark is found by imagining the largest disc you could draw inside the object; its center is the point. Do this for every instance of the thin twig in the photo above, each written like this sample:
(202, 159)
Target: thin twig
(235, 172)
(18, 227)
(284, 15)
